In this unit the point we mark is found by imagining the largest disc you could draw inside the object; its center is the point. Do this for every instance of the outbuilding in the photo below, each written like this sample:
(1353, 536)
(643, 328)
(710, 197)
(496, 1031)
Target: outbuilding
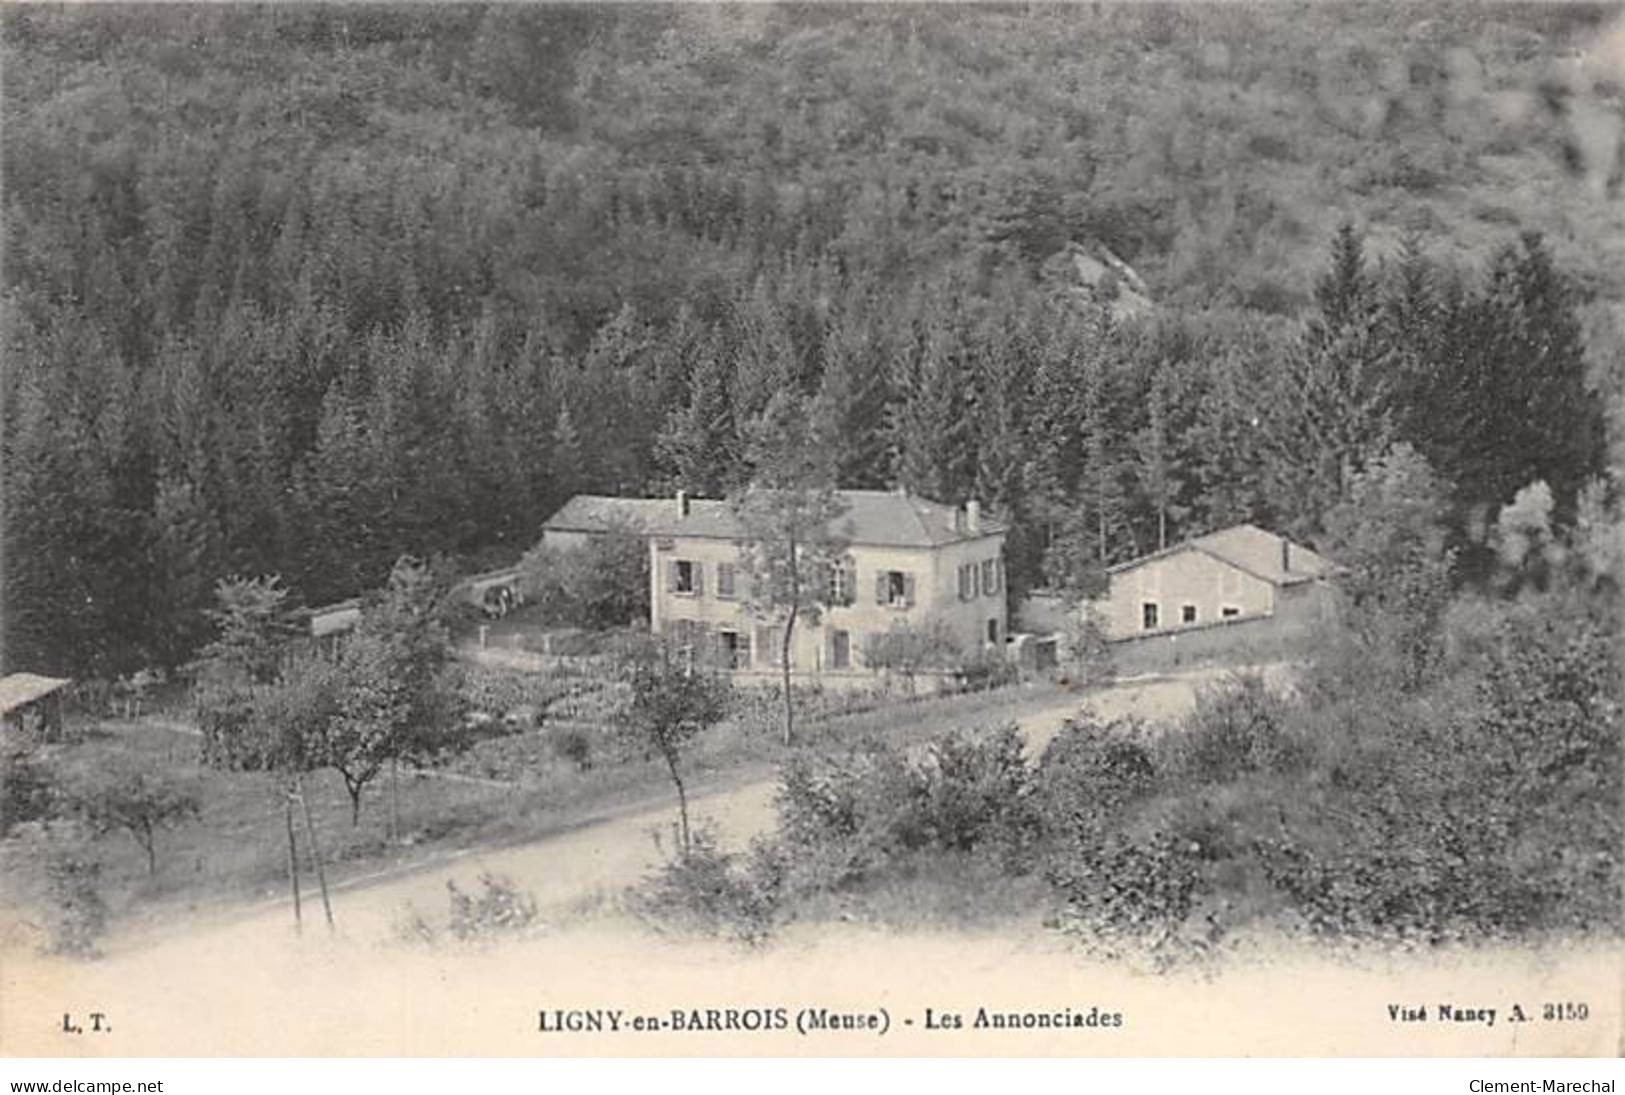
(32, 704)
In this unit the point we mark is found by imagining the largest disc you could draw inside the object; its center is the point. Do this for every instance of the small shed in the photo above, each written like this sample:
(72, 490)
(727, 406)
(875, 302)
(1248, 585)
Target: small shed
(32, 704)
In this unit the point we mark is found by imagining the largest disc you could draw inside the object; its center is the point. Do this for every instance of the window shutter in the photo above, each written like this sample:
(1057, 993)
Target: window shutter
(880, 587)
(671, 576)
(908, 590)
(699, 579)
(975, 581)
(744, 650)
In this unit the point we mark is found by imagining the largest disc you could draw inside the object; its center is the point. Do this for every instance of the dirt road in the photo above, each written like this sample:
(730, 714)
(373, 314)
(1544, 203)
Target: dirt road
(584, 866)
(569, 872)
(247, 986)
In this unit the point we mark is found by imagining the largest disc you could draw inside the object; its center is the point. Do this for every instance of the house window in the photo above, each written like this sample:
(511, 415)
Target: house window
(725, 581)
(1187, 614)
(840, 584)
(1229, 610)
(1148, 615)
(967, 582)
(990, 576)
(993, 630)
(735, 649)
(840, 650)
(685, 577)
(894, 588)
(770, 646)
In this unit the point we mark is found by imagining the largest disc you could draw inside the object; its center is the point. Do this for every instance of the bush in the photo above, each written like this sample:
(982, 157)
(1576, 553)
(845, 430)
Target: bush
(706, 891)
(1501, 820)
(77, 914)
(500, 909)
(572, 744)
(1090, 774)
(1237, 729)
(986, 669)
(604, 584)
(909, 650)
(1137, 894)
(976, 789)
(28, 789)
(1089, 651)
(840, 818)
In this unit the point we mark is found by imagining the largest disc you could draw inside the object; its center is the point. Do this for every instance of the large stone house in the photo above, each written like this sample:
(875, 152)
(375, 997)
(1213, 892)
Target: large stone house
(909, 562)
(1237, 574)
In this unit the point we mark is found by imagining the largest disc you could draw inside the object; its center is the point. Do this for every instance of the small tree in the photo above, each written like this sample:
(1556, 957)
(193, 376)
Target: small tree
(909, 650)
(261, 709)
(1523, 536)
(1088, 648)
(1389, 537)
(790, 513)
(141, 805)
(250, 617)
(602, 584)
(671, 701)
(395, 694)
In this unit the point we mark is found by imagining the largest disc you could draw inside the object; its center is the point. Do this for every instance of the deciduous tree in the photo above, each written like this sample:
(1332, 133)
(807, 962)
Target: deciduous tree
(790, 516)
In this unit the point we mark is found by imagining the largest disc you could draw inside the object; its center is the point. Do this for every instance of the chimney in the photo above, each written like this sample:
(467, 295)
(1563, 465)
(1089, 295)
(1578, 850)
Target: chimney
(682, 503)
(973, 516)
(1286, 555)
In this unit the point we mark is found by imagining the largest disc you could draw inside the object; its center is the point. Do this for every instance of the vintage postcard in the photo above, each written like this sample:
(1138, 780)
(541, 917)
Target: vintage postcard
(776, 529)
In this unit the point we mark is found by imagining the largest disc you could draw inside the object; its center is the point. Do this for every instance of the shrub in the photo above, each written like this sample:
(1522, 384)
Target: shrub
(976, 789)
(986, 669)
(28, 789)
(705, 891)
(77, 913)
(909, 650)
(572, 744)
(1136, 894)
(501, 908)
(1090, 774)
(604, 584)
(1501, 820)
(840, 818)
(1089, 651)
(1236, 729)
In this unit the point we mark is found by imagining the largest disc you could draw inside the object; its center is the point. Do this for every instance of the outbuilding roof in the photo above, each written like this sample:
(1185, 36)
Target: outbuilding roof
(873, 518)
(21, 689)
(1262, 554)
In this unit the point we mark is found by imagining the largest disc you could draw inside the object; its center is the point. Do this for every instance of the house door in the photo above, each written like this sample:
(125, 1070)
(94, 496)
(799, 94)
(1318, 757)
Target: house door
(840, 650)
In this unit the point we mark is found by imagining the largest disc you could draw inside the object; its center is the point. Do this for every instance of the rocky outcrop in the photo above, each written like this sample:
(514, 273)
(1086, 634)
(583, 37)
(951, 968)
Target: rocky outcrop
(1090, 274)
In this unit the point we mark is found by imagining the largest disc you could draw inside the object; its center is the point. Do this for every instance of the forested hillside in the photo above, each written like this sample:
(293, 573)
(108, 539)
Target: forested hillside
(299, 289)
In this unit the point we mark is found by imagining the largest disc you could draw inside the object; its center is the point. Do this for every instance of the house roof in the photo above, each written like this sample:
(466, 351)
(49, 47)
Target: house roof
(1252, 549)
(874, 518)
(22, 689)
(598, 512)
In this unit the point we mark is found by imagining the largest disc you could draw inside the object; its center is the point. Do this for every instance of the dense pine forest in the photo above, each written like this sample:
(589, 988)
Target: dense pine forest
(299, 289)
